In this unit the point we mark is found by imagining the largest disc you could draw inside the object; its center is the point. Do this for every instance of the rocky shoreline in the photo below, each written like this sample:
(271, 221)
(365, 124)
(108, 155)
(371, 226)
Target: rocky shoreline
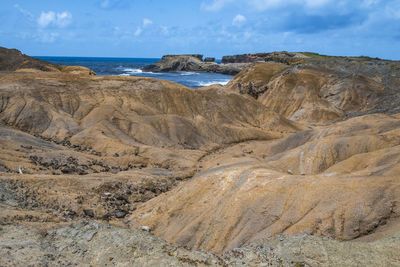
(172, 63)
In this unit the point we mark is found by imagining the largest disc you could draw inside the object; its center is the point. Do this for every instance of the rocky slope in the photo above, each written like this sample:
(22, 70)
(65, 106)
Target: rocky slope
(13, 60)
(170, 63)
(323, 90)
(339, 181)
(310, 151)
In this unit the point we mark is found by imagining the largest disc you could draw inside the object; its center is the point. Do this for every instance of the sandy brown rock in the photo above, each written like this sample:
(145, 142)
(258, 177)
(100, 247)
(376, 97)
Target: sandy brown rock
(86, 160)
(134, 116)
(77, 70)
(323, 90)
(336, 182)
(92, 244)
(306, 250)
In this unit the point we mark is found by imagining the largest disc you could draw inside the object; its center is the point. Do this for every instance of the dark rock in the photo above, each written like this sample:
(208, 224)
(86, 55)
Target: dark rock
(67, 170)
(106, 216)
(209, 59)
(121, 197)
(88, 212)
(198, 56)
(96, 153)
(120, 214)
(280, 57)
(13, 59)
(71, 213)
(173, 63)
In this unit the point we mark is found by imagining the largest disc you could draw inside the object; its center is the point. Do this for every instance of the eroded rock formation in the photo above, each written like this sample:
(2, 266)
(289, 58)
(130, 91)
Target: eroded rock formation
(14, 60)
(279, 162)
(170, 63)
(323, 90)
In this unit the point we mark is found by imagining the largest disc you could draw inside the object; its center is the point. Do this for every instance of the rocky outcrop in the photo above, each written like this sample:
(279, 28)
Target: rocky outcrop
(92, 243)
(14, 60)
(193, 63)
(323, 90)
(279, 57)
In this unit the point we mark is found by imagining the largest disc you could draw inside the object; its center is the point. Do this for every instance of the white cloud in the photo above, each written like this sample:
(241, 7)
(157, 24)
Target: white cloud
(147, 22)
(266, 4)
(316, 3)
(262, 5)
(238, 20)
(46, 18)
(138, 31)
(393, 11)
(215, 5)
(46, 37)
(164, 30)
(56, 19)
(24, 11)
(369, 3)
(63, 19)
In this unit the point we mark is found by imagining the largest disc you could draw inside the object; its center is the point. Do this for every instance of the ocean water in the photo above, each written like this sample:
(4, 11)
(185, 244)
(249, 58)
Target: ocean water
(133, 67)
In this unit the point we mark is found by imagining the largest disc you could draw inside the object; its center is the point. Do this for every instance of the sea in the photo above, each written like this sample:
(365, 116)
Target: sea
(133, 67)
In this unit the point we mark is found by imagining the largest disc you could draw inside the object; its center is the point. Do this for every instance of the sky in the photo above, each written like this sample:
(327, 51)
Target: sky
(152, 28)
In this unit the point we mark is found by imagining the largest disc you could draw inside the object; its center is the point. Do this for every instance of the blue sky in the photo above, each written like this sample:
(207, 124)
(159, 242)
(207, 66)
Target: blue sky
(151, 28)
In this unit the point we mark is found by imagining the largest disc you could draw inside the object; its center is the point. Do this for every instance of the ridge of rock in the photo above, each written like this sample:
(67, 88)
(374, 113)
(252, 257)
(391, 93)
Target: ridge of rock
(13, 60)
(279, 57)
(323, 90)
(170, 63)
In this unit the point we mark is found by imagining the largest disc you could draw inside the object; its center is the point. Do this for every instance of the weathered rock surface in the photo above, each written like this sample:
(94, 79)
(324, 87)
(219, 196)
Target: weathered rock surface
(310, 150)
(323, 90)
(279, 57)
(339, 181)
(90, 243)
(121, 114)
(170, 63)
(14, 60)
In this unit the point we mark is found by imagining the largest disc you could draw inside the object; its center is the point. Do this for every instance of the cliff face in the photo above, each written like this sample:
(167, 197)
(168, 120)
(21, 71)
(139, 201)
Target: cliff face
(193, 63)
(13, 59)
(279, 57)
(197, 56)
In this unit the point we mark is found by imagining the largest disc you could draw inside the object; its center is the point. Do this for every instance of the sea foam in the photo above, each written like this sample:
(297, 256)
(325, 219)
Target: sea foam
(208, 83)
